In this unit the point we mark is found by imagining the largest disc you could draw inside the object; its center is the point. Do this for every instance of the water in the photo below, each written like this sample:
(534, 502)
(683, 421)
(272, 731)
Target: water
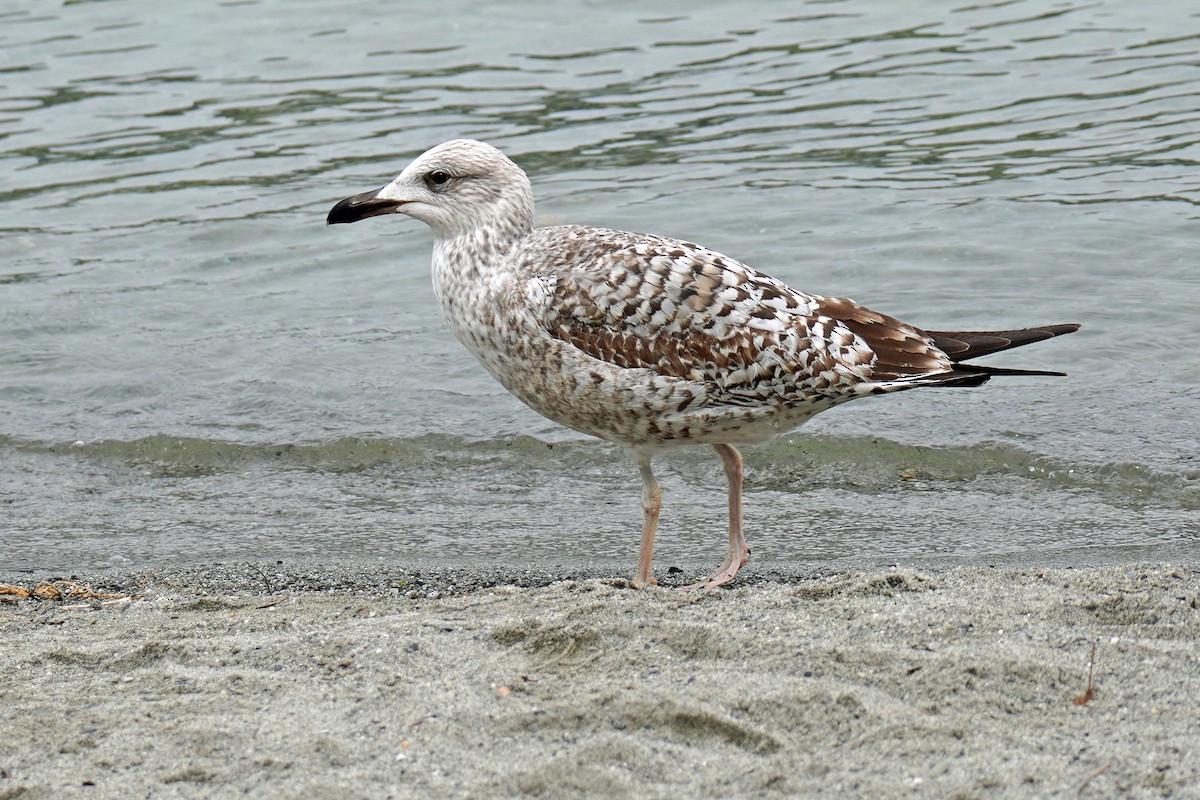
(193, 368)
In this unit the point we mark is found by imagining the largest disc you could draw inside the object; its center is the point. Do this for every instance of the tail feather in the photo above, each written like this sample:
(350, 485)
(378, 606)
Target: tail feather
(962, 345)
(978, 369)
(898, 371)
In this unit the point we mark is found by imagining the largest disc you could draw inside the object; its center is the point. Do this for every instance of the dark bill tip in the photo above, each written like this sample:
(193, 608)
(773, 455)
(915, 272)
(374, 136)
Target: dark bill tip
(360, 206)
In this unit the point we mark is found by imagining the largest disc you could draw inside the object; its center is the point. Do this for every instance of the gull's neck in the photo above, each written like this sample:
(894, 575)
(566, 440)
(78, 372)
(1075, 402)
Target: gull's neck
(484, 244)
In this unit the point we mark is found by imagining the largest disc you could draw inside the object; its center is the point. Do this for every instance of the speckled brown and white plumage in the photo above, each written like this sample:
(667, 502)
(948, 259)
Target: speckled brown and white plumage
(648, 341)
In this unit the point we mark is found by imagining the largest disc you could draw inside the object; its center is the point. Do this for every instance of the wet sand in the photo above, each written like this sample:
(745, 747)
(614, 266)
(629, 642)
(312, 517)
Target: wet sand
(386, 682)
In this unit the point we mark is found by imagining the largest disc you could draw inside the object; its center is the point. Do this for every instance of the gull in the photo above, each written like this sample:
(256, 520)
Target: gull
(651, 342)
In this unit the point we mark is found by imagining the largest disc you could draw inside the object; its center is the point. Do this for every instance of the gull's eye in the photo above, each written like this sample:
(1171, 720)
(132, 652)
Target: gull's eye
(437, 179)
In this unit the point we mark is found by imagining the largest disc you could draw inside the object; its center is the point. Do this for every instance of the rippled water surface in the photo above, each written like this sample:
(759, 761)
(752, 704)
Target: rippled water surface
(194, 368)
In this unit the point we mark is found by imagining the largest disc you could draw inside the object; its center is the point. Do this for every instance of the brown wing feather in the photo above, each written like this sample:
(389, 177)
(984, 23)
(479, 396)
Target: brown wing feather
(642, 301)
(901, 350)
(681, 310)
(687, 312)
(962, 345)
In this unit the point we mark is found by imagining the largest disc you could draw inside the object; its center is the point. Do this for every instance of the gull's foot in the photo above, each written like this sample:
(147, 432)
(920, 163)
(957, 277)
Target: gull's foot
(724, 573)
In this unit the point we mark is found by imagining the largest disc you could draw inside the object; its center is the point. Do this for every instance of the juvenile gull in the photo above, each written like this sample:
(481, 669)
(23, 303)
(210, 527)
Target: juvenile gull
(652, 342)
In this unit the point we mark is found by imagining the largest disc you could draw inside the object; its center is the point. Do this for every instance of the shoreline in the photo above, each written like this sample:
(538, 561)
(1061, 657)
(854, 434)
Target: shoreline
(472, 682)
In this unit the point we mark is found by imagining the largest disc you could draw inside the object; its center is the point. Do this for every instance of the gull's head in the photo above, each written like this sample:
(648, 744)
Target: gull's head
(455, 188)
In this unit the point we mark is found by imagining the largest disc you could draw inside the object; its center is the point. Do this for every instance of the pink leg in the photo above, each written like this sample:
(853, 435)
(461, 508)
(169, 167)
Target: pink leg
(738, 553)
(651, 503)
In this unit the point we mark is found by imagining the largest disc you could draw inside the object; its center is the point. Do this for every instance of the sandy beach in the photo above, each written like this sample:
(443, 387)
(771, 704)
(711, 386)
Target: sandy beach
(391, 682)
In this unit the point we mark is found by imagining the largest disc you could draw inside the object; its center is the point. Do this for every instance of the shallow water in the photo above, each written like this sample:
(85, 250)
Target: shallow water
(194, 368)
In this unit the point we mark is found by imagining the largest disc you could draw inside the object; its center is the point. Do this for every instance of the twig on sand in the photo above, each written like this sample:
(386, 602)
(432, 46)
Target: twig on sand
(1088, 779)
(266, 581)
(1089, 692)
